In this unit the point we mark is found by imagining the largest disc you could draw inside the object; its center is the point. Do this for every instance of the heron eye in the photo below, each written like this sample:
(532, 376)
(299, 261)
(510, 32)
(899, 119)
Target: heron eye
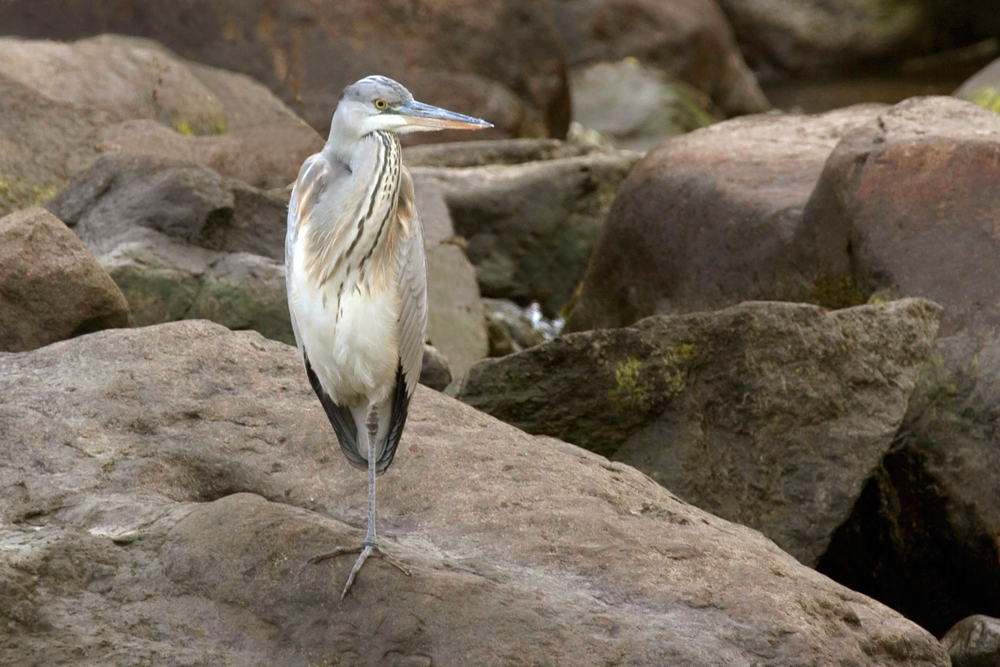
(379, 104)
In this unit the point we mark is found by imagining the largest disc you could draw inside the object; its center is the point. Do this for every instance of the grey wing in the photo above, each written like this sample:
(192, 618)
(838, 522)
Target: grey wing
(411, 334)
(413, 305)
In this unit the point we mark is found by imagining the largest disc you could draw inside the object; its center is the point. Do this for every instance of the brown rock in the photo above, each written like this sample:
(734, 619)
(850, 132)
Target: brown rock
(915, 189)
(636, 106)
(434, 371)
(42, 144)
(181, 241)
(165, 512)
(456, 325)
(264, 156)
(922, 537)
(531, 227)
(63, 104)
(494, 152)
(690, 40)
(129, 79)
(974, 642)
(497, 60)
(769, 414)
(51, 287)
(124, 197)
(714, 217)
(808, 35)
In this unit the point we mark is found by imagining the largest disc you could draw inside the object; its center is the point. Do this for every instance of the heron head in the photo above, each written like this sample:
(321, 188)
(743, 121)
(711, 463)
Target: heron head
(379, 103)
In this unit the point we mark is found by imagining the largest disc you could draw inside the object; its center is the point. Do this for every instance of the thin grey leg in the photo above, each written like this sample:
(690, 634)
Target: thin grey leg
(370, 546)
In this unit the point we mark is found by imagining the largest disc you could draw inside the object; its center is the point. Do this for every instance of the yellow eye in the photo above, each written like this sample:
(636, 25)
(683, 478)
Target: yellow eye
(379, 104)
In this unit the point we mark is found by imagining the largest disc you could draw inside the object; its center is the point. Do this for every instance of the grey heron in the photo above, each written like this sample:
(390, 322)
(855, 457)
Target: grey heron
(355, 274)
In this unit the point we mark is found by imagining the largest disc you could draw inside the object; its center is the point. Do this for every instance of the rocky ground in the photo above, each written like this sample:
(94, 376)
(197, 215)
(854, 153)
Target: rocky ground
(767, 435)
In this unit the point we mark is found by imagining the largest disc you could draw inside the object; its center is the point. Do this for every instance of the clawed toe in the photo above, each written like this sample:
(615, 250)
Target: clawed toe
(339, 551)
(366, 551)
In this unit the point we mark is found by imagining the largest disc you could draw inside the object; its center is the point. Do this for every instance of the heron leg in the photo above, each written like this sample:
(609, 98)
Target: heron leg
(370, 546)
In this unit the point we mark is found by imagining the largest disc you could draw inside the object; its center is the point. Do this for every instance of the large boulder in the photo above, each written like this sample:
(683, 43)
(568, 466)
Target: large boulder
(922, 537)
(166, 511)
(915, 189)
(714, 217)
(125, 197)
(501, 61)
(42, 144)
(804, 36)
(61, 105)
(530, 228)
(264, 156)
(181, 241)
(807, 36)
(769, 414)
(456, 325)
(131, 79)
(51, 287)
(974, 642)
(688, 40)
(636, 106)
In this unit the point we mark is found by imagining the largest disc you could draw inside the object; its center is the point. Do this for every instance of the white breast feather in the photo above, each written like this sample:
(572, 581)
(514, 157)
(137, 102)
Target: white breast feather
(351, 342)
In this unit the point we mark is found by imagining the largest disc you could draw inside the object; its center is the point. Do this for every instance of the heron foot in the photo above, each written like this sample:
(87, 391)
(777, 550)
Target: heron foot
(366, 551)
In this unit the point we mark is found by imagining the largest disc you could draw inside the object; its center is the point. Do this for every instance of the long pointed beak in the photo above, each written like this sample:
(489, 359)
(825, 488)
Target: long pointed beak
(424, 115)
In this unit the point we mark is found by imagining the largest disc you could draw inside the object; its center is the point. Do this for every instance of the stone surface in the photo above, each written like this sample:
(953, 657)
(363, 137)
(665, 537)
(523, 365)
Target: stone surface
(63, 104)
(162, 488)
(123, 197)
(42, 144)
(456, 325)
(769, 414)
(914, 189)
(264, 156)
(974, 642)
(923, 536)
(183, 242)
(130, 79)
(502, 61)
(530, 228)
(509, 327)
(809, 35)
(689, 40)
(715, 217)
(636, 106)
(490, 152)
(834, 36)
(51, 287)
(434, 371)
